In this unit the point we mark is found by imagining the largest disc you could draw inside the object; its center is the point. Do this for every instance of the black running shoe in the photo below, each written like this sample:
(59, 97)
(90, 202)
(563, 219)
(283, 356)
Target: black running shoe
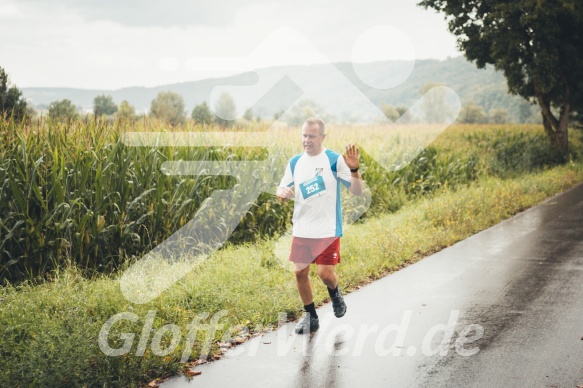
(338, 305)
(307, 324)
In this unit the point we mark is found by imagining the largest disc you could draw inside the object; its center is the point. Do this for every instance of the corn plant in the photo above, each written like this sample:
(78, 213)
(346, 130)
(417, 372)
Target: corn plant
(73, 192)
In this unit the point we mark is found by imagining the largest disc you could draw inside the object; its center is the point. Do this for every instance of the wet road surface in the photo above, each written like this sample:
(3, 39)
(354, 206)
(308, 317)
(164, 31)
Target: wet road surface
(503, 308)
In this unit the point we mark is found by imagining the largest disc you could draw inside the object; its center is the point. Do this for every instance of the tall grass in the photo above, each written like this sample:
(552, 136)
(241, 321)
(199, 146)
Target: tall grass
(74, 193)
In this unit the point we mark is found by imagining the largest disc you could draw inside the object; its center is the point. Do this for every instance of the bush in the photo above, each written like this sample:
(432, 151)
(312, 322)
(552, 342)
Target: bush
(517, 153)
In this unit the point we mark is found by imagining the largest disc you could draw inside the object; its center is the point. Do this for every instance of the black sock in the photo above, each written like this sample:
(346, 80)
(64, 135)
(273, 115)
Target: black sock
(333, 292)
(311, 309)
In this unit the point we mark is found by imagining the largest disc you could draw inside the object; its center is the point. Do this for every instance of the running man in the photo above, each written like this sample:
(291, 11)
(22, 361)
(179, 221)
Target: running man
(313, 180)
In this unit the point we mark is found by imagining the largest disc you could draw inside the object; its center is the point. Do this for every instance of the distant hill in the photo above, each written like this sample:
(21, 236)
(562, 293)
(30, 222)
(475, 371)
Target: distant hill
(484, 87)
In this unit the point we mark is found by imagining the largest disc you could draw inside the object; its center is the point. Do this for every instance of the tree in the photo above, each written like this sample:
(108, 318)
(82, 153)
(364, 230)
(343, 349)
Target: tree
(104, 105)
(402, 109)
(202, 115)
(435, 108)
(536, 44)
(62, 110)
(31, 112)
(472, 114)
(126, 111)
(391, 112)
(498, 116)
(11, 101)
(168, 107)
(524, 111)
(278, 114)
(303, 109)
(577, 116)
(405, 118)
(225, 110)
(248, 115)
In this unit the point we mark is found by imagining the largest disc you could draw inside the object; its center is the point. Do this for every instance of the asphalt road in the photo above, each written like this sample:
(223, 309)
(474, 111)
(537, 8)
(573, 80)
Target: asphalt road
(503, 308)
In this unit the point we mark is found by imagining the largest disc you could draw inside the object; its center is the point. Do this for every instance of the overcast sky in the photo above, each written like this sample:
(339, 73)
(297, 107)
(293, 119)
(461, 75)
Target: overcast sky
(113, 44)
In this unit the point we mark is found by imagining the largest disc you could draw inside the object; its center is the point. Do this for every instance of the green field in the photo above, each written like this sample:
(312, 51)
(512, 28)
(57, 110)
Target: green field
(78, 204)
(75, 193)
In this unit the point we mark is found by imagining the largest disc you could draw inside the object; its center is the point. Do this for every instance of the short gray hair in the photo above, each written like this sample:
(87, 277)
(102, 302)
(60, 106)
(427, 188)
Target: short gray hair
(317, 121)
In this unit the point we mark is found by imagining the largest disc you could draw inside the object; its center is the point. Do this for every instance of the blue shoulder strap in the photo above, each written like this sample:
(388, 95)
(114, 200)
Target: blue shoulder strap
(332, 158)
(293, 162)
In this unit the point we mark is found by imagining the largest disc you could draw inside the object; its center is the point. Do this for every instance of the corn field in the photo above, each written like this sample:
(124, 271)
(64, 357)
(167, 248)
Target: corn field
(74, 192)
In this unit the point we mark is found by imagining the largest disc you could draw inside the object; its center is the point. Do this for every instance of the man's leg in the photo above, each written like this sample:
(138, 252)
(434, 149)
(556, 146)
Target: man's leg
(328, 275)
(310, 322)
(303, 282)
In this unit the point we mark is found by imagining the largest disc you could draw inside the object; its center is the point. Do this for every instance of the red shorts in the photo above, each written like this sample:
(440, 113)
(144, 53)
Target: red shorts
(315, 250)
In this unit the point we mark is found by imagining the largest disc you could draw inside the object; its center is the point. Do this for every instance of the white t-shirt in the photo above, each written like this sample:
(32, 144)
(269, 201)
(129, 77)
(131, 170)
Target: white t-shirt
(316, 181)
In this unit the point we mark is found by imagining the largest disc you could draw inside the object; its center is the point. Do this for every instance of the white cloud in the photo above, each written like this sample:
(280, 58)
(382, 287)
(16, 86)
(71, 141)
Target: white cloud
(10, 11)
(58, 44)
(147, 13)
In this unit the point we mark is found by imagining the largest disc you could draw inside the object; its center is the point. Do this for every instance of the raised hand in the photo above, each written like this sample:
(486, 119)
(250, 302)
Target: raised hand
(352, 155)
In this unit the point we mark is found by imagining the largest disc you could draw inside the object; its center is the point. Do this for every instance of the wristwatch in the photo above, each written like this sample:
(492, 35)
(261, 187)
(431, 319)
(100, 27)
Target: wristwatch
(354, 169)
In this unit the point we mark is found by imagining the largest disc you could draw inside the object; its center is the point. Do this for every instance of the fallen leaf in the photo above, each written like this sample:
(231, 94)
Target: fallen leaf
(192, 373)
(153, 384)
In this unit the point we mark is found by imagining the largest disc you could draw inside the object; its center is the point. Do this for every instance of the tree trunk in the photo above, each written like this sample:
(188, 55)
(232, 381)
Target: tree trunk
(563, 129)
(549, 129)
(556, 130)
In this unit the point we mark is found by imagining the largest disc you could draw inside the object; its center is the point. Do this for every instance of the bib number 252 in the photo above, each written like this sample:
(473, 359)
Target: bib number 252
(313, 188)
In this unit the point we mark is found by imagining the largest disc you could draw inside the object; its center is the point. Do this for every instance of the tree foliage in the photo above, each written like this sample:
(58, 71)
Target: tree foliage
(278, 114)
(435, 108)
(126, 111)
(391, 112)
(248, 115)
(472, 114)
(11, 101)
(535, 43)
(169, 107)
(104, 105)
(202, 115)
(303, 109)
(225, 110)
(62, 110)
(498, 116)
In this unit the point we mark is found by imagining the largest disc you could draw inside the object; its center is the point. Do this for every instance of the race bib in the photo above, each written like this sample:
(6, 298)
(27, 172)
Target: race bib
(313, 188)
